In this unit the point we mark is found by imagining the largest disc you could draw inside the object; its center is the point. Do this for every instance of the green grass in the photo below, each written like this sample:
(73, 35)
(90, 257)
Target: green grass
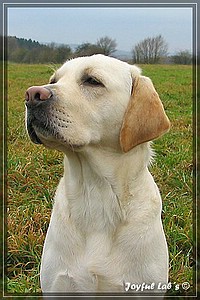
(34, 172)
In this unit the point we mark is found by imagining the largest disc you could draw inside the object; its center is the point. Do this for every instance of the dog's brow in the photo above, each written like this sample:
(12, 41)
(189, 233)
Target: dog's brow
(88, 70)
(93, 72)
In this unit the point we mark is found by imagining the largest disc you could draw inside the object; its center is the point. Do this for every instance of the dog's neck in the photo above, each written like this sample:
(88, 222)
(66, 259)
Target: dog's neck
(98, 182)
(119, 168)
(115, 167)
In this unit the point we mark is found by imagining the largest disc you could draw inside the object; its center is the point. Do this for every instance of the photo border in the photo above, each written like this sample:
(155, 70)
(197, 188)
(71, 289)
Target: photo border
(3, 119)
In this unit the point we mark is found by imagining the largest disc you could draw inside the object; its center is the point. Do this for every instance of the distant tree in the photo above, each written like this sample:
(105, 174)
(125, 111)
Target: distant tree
(87, 49)
(182, 57)
(62, 53)
(107, 45)
(28, 51)
(150, 50)
(19, 55)
(46, 54)
(12, 46)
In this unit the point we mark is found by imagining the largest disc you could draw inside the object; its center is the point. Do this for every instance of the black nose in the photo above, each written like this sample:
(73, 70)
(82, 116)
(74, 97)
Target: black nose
(35, 94)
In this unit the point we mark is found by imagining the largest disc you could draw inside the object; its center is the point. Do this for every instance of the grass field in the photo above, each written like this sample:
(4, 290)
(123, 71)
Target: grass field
(34, 172)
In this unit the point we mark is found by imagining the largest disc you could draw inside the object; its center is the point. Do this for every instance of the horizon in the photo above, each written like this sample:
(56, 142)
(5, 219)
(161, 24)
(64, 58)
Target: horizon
(73, 46)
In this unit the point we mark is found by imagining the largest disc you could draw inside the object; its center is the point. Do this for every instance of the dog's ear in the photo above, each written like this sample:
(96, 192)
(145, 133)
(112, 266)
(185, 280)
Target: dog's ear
(145, 118)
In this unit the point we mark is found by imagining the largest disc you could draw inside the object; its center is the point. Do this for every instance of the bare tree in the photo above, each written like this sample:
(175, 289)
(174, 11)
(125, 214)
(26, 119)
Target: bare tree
(182, 57)
(87, 49)
(150, 50)
(107, 45)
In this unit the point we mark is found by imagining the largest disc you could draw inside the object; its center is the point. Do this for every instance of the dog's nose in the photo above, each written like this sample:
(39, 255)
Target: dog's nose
(37, 93)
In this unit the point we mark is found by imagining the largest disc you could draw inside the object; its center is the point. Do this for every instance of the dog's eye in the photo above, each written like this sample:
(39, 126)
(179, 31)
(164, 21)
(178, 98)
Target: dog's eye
(52, 81)
(92, 81)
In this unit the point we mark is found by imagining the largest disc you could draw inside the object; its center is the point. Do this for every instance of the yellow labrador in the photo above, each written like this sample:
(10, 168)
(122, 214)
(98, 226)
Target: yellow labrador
(105, 232)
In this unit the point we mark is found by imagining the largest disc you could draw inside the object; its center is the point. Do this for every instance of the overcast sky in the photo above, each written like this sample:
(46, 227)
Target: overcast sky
(127, 26)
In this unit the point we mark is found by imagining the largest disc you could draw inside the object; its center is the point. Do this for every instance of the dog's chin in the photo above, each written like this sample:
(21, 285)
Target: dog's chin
(52, 139)
(32, 134)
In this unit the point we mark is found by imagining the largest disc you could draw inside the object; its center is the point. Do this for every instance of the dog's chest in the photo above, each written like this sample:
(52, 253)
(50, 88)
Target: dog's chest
(83, 228)
(83, 212)
(95, 207)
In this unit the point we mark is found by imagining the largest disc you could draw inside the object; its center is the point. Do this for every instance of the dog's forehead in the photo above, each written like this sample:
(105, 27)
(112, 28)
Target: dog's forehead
(100, 63)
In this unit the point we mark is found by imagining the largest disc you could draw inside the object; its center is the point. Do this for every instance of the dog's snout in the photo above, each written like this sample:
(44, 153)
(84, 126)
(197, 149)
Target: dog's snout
(37, 93)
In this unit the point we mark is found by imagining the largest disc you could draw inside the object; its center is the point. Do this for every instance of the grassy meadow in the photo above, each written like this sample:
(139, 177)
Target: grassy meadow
(33, 173)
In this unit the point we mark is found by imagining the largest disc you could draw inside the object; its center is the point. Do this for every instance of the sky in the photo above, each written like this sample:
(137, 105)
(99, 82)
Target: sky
(128, 26)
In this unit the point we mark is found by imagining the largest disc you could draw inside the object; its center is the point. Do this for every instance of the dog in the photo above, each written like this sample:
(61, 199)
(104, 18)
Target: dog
(105, 232)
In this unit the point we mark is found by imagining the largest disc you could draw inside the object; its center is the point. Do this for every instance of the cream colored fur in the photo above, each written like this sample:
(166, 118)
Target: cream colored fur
(105, 228)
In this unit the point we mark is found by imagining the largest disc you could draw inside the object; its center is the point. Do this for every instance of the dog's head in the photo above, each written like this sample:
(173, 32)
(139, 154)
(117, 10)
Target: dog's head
(95, 100)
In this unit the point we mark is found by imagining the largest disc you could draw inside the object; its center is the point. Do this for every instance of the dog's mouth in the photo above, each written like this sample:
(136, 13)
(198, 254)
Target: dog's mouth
(40, 128)
(43, 130)
(32, 134)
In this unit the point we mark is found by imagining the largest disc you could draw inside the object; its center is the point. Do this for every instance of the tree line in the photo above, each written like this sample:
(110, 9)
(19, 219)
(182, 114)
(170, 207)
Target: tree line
(151, 50)
(27, 51)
